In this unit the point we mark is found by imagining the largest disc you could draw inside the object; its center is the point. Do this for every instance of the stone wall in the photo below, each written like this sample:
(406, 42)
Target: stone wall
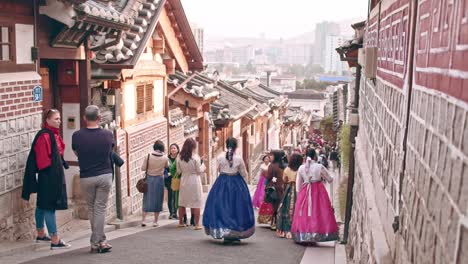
(413, 132)
(140, 140)
(20, 119)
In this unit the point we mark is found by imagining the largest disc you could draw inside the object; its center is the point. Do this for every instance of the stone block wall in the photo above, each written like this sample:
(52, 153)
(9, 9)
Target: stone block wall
(20, 119)
(140, 140)
(421, 91)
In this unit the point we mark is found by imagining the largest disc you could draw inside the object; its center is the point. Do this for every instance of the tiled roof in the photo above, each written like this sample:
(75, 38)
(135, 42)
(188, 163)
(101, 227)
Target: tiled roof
(176, 117)
(92, 8)
(197, 86)
(142, 21)
(190, 127)
(296, 115)
(233, 104)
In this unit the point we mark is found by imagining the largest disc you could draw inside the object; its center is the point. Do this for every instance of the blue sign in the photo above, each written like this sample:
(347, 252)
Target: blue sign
(37, 93)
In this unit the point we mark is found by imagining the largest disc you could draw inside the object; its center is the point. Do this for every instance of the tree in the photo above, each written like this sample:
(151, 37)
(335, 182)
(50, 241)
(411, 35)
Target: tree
(326, 127)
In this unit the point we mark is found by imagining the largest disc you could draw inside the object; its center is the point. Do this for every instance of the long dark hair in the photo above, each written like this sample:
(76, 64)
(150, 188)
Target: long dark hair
(187, 149)
(231, 145)
(295, 161)
(279, 157)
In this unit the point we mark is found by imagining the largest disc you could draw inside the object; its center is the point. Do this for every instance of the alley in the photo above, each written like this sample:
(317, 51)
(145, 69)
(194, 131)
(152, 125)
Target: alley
(169, 244)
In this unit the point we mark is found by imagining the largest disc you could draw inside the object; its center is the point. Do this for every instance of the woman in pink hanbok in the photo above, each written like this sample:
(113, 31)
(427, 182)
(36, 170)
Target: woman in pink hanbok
(314, 220)
(259, 194)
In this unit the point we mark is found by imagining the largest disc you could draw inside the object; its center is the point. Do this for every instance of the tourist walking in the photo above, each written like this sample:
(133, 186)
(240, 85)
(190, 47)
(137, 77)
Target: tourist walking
(93, 147)
(259, 194)
(286, 208)
(228, 211)
(274, 176)
(154, 166)
(190, 168)
(314, 220)
(46, 159)
(172, 182)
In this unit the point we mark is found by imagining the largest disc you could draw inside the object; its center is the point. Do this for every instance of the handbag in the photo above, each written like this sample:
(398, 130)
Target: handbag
(271, 195)
(175, 184)
(142, 185)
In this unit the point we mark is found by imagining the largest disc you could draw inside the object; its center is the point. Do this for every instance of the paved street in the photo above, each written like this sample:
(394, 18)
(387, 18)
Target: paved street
(169, 244)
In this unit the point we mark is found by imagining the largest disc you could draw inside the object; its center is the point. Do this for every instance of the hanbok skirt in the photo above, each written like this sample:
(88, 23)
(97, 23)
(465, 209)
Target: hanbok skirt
(259, 194)
(286, 209)
(265, 213)
(314, 219)
(228, 210)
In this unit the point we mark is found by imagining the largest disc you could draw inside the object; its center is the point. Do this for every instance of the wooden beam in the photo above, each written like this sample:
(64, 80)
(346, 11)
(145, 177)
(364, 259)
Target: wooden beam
(84, 68)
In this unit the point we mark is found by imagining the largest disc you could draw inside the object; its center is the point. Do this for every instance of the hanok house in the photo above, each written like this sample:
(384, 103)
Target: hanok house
(278, 105)
(129, 75)
(43, 64)
(189, 98)
(227, 114)
(296, 123)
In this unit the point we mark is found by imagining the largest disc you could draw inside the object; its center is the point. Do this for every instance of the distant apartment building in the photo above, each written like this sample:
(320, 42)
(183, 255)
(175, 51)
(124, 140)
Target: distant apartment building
(243, 55)
(322, 30)
(332, 62)
(198, 33)
(295, 53)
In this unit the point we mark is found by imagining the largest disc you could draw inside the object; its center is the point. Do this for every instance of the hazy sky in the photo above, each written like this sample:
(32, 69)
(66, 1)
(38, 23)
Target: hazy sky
(274, 18)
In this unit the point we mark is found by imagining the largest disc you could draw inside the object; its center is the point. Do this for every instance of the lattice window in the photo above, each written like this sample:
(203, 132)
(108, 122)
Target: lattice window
(140, 94)
(144, 98)
(149, 102)
(6, 44)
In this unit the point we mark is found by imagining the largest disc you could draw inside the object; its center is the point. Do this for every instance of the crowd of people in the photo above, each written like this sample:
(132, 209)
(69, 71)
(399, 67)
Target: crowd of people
(290, 194)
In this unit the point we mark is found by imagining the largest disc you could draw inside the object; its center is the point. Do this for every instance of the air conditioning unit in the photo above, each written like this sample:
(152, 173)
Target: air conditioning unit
(370, 68)
(362, 57)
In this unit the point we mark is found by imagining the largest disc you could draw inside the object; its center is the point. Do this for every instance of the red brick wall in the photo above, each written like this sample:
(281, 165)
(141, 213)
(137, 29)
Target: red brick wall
(20, 119)
(16, 99)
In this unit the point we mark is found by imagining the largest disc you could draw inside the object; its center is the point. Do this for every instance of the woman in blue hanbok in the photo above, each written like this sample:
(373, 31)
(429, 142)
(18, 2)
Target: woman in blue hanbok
(228, 211)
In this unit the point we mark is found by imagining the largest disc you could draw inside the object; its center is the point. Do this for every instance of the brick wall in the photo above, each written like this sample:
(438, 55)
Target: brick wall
(20, 119)
(140, 142)
(431, 164)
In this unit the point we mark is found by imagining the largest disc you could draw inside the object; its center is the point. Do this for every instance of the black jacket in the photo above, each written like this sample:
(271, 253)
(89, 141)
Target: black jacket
(50, 184)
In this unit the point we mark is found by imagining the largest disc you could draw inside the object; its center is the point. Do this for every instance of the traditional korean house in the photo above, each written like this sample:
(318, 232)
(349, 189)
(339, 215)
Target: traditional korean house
(45, 63)
(277, 104)
(129, 74)
(189, 98)
(228, 114)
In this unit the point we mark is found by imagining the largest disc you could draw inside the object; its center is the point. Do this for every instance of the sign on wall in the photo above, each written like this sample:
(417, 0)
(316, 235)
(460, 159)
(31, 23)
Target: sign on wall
(37, 93)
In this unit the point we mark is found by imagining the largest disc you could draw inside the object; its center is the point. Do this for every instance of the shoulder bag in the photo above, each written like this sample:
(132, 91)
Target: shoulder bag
(142, 185)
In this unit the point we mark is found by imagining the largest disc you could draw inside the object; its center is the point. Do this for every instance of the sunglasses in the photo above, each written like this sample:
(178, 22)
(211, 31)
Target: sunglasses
(50, 112)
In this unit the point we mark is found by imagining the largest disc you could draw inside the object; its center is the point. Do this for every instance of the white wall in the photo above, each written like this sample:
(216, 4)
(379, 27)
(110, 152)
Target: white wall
(158, 96)
(129, 96)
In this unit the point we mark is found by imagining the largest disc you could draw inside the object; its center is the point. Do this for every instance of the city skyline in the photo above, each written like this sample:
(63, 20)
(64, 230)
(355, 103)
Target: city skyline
(236, 18)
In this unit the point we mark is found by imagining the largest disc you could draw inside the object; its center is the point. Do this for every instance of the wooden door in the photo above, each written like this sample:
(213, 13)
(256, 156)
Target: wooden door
(47, 93)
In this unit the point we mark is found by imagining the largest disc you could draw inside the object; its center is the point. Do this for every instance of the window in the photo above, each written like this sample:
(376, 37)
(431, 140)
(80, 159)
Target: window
(6, 44)
(144, 96)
